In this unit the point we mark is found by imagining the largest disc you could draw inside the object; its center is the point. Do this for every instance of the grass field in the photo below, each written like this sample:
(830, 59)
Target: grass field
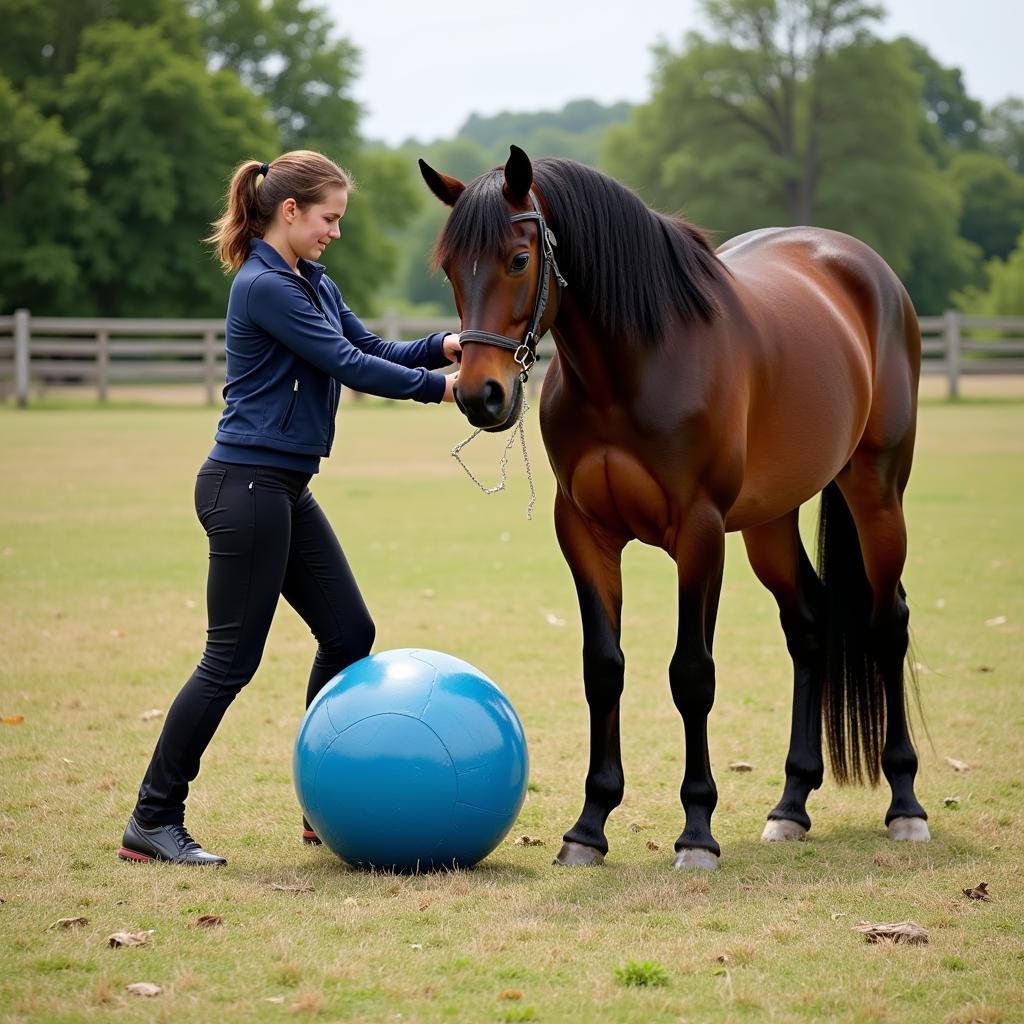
(102, 570)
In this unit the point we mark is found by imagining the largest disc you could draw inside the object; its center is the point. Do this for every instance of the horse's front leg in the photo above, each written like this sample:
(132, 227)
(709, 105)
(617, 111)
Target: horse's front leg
(595, 561)
(700, 557)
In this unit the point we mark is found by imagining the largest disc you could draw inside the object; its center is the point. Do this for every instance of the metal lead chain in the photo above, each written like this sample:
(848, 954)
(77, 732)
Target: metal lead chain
(503, 465)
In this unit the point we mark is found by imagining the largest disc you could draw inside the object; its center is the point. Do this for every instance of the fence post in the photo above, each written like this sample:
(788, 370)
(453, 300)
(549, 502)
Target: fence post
(22, 335)
(951, 332)
(102, 363)
(210, 364)
(392, 325)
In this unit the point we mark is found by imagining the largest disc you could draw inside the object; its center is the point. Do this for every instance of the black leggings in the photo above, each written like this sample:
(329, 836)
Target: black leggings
(268, 537)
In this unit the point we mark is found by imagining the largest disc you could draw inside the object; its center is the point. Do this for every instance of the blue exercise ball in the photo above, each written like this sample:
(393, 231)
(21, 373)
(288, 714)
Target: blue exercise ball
(411, 760)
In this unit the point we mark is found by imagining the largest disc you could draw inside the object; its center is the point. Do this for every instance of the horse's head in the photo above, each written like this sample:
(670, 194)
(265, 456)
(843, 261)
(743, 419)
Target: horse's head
(498, 253)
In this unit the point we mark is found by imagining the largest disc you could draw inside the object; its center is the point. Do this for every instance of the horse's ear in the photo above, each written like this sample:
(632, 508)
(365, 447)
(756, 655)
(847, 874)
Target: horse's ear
(445, 188)
(518, 175)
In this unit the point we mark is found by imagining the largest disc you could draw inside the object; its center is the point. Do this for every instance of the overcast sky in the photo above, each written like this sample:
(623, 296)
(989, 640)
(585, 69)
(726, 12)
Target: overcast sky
(427, 65)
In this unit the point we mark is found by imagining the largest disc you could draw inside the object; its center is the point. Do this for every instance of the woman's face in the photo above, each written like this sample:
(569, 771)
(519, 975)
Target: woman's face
(313, 229)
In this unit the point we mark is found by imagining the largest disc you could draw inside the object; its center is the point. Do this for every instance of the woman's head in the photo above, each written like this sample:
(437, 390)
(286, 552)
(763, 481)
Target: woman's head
(299, 197)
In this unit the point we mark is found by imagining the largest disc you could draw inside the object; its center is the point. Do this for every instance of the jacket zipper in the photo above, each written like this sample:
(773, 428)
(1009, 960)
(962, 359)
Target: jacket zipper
(291, 407)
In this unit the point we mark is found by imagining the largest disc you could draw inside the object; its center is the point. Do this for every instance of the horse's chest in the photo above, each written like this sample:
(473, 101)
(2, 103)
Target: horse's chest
(612, 487)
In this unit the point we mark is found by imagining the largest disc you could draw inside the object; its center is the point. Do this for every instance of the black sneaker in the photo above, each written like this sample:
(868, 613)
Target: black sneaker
(164, 842)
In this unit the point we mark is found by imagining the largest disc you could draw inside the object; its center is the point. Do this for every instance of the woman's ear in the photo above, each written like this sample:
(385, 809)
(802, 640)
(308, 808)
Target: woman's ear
(288, 208)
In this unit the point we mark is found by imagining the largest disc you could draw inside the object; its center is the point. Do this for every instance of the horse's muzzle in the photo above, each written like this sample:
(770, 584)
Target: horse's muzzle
(490, 407)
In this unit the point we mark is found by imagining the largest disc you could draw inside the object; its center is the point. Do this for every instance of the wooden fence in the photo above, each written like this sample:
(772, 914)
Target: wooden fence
(38, 354)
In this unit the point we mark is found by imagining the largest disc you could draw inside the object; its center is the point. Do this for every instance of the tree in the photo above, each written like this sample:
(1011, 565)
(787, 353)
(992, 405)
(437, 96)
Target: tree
(41, 201)
(1004, 294)
(1003, 133)
(287, 52)
(992, 201)
(953, 120)
(792, 113)
(159, 134)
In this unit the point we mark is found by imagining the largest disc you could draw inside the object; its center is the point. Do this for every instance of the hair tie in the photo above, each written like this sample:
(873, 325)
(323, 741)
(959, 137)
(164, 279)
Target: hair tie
(263, 169)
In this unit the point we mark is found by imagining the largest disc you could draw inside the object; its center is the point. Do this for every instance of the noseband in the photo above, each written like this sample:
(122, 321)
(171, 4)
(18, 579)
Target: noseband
(525, 351)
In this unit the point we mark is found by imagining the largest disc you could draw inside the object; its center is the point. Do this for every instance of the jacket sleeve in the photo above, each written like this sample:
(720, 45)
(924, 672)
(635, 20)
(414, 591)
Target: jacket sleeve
(284, 310)
(428, 351)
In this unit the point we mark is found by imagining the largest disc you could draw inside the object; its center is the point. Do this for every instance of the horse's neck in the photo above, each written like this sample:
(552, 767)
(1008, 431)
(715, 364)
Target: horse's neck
(598, 368)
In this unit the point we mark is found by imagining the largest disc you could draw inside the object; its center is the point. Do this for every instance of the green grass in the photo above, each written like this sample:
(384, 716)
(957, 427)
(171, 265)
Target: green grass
(102, 569)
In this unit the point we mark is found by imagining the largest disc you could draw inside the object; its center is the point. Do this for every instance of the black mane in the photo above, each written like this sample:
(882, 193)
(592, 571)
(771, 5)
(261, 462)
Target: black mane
(629, 266)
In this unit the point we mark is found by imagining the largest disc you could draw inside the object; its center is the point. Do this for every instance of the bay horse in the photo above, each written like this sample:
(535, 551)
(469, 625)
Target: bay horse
(694, 392)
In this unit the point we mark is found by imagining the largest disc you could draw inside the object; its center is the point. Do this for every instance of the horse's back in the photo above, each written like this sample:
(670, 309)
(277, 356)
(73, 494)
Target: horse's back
(834, 354)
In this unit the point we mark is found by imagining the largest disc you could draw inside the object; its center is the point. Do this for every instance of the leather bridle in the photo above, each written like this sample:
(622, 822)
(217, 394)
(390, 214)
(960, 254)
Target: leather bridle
(525, 351)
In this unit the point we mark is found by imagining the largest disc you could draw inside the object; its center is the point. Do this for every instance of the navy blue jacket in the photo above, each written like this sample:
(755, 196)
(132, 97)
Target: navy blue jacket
(291, 342)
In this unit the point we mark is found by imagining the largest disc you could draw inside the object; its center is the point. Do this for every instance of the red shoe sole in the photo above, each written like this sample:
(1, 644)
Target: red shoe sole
(310, 838)
(132, 855)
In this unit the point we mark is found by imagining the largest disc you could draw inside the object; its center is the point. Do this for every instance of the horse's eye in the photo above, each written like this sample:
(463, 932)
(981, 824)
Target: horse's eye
(519, 262)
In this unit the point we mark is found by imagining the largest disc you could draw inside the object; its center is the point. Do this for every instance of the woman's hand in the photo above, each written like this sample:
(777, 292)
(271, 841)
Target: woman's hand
(450, 381)
(452, 348)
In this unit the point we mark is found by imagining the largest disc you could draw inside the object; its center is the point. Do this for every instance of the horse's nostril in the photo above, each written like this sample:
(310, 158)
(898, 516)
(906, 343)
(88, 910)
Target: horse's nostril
(494, 397)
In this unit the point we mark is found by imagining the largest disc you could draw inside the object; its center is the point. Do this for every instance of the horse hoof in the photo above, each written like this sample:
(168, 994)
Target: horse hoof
(913, 829)
(695, 857)
(576, 855)
(779, 829)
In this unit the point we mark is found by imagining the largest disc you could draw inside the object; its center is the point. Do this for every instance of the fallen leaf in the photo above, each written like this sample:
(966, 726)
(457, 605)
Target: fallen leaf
(13, 719)
(144, 988)
(527, 841)
(119, 939)
(836, 914)
(302, 887)
(639, 826)
(415, 945)
(909, 932)
(148, 716)
(428, 592)
(979, 892)
(958, 766)
(997, 620)
(68, 922)
(510, 993)
(209, 921)
(553, 620)
(722, 958)
(984, 668)
(276, 1000)
(117, 634)
(951, 801)
(651, 845)
(741, 766)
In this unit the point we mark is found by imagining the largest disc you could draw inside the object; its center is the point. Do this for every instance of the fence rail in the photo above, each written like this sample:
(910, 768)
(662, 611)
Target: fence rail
(43, 353)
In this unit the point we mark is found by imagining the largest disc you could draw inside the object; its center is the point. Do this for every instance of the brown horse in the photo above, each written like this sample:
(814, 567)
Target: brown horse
(695, 392)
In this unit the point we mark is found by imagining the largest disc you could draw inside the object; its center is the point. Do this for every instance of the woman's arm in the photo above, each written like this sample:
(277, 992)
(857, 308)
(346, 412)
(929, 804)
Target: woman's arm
(283, 309)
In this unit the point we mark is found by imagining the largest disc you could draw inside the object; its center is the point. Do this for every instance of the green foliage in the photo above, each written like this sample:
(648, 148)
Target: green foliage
(576, 131)
(645, 974)
(41, 200)
(1004, 132)
(992, 201)
(953, 120)
(159, 134)
(1004, 293)
(121, 121)
(792, 113)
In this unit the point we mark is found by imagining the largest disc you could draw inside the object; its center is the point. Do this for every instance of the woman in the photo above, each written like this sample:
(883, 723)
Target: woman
(291, 342)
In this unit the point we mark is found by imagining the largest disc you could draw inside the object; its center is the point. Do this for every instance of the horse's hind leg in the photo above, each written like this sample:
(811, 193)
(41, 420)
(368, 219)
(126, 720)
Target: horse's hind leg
(780, 562)
(873, 484)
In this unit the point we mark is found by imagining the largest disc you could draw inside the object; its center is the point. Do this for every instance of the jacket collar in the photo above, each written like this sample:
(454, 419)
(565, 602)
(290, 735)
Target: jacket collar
(267, 254)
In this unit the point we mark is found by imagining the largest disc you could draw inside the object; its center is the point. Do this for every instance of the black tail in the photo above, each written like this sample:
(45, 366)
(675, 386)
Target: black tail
(853, 705)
